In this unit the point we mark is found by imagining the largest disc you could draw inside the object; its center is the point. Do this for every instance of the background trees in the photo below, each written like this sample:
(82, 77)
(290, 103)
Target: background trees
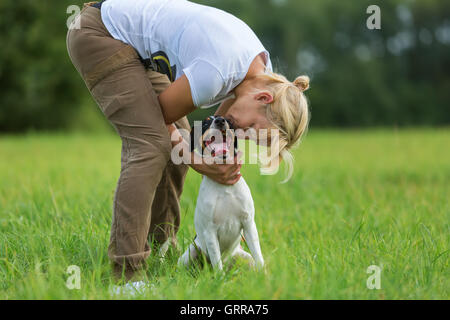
(399, 75)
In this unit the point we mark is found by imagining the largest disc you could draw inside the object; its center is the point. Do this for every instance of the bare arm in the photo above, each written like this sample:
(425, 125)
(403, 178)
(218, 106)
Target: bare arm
(176, 101)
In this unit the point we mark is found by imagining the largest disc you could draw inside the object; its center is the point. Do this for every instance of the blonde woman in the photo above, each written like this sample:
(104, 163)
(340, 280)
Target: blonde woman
(149, 63)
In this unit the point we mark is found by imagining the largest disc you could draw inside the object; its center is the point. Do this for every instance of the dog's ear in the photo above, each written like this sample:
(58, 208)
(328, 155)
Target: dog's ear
(192, 139)
(195, 136)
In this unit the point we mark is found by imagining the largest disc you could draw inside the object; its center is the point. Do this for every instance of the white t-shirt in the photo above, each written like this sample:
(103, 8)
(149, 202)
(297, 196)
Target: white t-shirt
(213, 48)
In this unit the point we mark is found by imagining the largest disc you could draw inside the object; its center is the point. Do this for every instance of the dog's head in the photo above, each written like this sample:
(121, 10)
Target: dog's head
(216, 138)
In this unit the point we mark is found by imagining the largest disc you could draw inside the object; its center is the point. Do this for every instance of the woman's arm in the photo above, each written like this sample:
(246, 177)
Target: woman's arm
(176, 101)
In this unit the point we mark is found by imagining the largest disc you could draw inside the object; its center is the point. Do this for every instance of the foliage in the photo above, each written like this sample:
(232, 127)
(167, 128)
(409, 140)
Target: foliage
(399, 75)
(39, 87)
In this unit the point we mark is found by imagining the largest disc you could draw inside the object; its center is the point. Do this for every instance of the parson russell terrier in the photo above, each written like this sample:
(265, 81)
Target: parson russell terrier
(223, 212)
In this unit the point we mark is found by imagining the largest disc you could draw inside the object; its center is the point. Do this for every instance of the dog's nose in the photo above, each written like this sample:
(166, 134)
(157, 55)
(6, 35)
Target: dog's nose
(219, 121)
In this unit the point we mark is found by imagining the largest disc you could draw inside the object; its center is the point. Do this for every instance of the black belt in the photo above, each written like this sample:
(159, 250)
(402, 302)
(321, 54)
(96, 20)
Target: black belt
(98, 5)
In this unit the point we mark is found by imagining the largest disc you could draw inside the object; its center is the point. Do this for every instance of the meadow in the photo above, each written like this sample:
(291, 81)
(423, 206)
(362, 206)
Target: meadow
(357, 198)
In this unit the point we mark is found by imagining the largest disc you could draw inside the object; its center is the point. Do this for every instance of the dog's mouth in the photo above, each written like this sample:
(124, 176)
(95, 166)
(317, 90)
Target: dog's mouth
(220, 145)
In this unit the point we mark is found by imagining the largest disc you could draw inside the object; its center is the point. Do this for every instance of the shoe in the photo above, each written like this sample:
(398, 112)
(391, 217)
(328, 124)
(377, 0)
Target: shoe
(132, 288)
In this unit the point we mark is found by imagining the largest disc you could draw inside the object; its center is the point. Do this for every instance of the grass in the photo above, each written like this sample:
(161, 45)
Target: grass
(358, 198)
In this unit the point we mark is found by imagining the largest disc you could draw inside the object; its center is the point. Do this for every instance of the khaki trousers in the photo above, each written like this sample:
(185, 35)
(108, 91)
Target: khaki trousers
(146, 200)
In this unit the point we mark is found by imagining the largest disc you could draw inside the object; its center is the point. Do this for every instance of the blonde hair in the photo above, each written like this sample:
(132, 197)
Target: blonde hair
(289, 114)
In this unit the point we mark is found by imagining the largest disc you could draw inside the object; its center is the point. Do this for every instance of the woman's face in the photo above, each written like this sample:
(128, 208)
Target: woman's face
(249, 110)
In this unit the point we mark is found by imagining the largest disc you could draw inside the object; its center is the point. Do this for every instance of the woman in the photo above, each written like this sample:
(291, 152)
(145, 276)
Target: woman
(126, 52)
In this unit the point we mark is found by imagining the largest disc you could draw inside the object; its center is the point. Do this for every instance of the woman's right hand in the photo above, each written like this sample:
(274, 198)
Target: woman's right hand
(226, 173)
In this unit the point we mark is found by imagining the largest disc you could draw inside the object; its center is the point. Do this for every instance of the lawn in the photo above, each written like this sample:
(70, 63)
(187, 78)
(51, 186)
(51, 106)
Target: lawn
(357, 198)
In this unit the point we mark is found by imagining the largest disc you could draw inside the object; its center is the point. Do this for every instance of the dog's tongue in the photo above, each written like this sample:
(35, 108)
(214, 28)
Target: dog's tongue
(219, 148)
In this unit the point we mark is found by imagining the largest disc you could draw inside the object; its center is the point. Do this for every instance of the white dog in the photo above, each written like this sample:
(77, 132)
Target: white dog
(223, 213)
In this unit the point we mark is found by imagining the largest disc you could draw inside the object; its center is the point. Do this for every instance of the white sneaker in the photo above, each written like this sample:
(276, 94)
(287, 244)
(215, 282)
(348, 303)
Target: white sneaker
(132, 288)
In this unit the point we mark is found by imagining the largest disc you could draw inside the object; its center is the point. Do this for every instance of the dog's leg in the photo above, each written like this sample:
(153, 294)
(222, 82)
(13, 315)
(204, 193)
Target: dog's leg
(252, 239)
(241, 253)
(189, 255)
(163, 249)
(213, 249)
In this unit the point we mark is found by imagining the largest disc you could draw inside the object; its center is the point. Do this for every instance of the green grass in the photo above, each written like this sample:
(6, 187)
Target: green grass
(357, 198)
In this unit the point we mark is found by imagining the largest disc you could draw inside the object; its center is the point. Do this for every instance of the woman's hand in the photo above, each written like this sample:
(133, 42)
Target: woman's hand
(225, 173)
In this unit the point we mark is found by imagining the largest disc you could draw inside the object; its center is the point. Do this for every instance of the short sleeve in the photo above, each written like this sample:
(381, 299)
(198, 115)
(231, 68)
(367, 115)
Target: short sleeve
(205, 81)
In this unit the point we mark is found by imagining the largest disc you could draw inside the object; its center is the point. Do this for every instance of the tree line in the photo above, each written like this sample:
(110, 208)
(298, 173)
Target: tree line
(398, 75)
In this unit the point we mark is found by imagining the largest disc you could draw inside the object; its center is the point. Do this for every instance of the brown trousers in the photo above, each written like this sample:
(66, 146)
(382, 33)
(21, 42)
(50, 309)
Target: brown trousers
(146, 201)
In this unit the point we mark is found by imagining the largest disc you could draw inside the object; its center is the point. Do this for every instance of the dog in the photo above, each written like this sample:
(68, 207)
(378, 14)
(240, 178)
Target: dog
(223, 213)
